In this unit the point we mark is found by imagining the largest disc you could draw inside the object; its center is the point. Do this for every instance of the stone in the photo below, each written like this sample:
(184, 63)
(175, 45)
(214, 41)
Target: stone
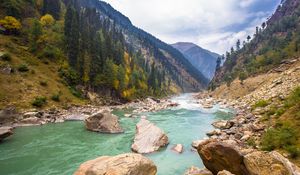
(223, 124)
(214, 132)
(263, 163)
(6, 70)
(224, 172)
(196, 143)
(197, 171)
(76, 117)
(124, 164)
(103, 122)
(5, 132)
(178, 148)
(148, 137)
(31, 121)
(219, 156)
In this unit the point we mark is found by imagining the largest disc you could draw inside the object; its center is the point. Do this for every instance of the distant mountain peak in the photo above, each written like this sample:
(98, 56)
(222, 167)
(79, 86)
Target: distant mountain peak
(204, 60)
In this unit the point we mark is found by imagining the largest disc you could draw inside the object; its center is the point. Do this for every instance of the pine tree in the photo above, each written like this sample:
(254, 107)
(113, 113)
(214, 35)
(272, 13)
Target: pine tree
(52, 7)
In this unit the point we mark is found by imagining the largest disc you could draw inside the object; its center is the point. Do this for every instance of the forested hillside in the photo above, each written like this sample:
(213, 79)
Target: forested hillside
(274, 42)
(87, 47)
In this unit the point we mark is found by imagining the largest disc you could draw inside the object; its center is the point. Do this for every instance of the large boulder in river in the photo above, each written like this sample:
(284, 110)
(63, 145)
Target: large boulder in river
(197, 171)
(148, 137)
(218, 156)
(5, 132)
(124, 164)
(103, 122)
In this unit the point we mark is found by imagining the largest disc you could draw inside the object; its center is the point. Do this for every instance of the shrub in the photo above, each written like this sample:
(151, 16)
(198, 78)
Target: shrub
(39, 101)
(56, 97)
(44, 83)
(23, 68)
(261, 103)
(278, 138)
(6, 57)
(47, 20)
(11, 25)
(294, 151)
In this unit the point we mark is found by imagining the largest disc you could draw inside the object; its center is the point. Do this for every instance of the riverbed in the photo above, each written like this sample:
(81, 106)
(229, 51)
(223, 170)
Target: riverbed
(58, 149)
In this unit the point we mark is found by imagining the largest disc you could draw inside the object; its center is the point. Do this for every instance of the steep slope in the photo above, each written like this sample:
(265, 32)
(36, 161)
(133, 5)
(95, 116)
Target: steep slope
(275, 41)
(204, 60)
(90, 48)
(263, 79)
(153, 49)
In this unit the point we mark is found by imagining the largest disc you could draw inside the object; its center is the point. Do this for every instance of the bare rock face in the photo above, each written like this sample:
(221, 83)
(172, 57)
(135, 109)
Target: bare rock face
(263, 163)
(148, 137)
(5, 132)
(219, 156)
(104, 122)
(124, 164)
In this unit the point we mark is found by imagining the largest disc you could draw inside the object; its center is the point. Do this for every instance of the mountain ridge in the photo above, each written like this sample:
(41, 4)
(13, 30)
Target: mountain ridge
(204, 60)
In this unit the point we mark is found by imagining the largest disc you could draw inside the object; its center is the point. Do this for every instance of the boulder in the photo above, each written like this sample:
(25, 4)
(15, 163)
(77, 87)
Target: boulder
(264, 163)
(103, 122)
(197, 171)
(224, 172)
(148, 137)
(5, 132)
(124, 164)
(223, 124)
(178, 148)
(196, 143)
(219, 156)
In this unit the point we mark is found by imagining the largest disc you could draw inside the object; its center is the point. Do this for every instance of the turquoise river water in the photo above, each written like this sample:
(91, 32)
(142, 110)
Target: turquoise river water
(58, 149)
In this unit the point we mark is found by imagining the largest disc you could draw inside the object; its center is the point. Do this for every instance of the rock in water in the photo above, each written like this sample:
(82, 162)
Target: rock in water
(103, 122)
(124, 164)
(148, 137)
(219, 156)
(197, 171)
(178, 148)
(5, 132)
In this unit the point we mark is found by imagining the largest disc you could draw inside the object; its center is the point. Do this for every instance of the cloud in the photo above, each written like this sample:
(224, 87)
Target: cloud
(215, 25)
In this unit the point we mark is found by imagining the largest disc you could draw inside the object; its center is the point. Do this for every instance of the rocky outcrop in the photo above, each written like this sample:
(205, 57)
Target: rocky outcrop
(5, 132)
(103, 122)
(219, 156)
(124, 164)
(264, 163)
(197, 171)
(148, 137)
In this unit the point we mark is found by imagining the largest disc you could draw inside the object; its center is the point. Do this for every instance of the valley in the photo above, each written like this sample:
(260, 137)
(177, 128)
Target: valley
(85, 90)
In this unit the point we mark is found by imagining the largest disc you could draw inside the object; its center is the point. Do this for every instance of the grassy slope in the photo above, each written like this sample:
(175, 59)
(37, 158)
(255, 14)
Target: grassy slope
(21, 88)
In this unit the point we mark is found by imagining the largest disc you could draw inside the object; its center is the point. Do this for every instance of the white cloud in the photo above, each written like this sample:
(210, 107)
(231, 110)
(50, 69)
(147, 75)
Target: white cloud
(207, 23)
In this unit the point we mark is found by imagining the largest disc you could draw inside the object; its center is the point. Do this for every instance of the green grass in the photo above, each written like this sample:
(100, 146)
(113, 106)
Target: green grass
(285, 134)
(260, 104)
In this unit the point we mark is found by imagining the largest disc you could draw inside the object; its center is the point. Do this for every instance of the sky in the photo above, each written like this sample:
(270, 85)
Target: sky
(212, 24)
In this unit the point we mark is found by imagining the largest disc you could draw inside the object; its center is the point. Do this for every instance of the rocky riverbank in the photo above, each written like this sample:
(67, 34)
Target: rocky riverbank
(10, 117)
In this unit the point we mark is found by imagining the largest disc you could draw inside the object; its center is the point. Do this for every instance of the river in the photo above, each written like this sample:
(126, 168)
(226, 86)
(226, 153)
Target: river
(58, 149)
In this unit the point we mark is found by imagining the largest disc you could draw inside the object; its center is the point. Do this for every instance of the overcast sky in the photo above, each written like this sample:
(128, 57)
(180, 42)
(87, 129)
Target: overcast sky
(212, 24)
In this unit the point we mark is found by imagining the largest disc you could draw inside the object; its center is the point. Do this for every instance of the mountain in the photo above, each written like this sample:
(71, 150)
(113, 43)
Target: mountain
(204, 60)
(275, 41)
(181, 70)
(73, 49)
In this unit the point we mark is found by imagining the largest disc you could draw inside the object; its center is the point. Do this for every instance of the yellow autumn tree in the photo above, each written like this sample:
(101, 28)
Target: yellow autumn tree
(47, 20)
(11, 25)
